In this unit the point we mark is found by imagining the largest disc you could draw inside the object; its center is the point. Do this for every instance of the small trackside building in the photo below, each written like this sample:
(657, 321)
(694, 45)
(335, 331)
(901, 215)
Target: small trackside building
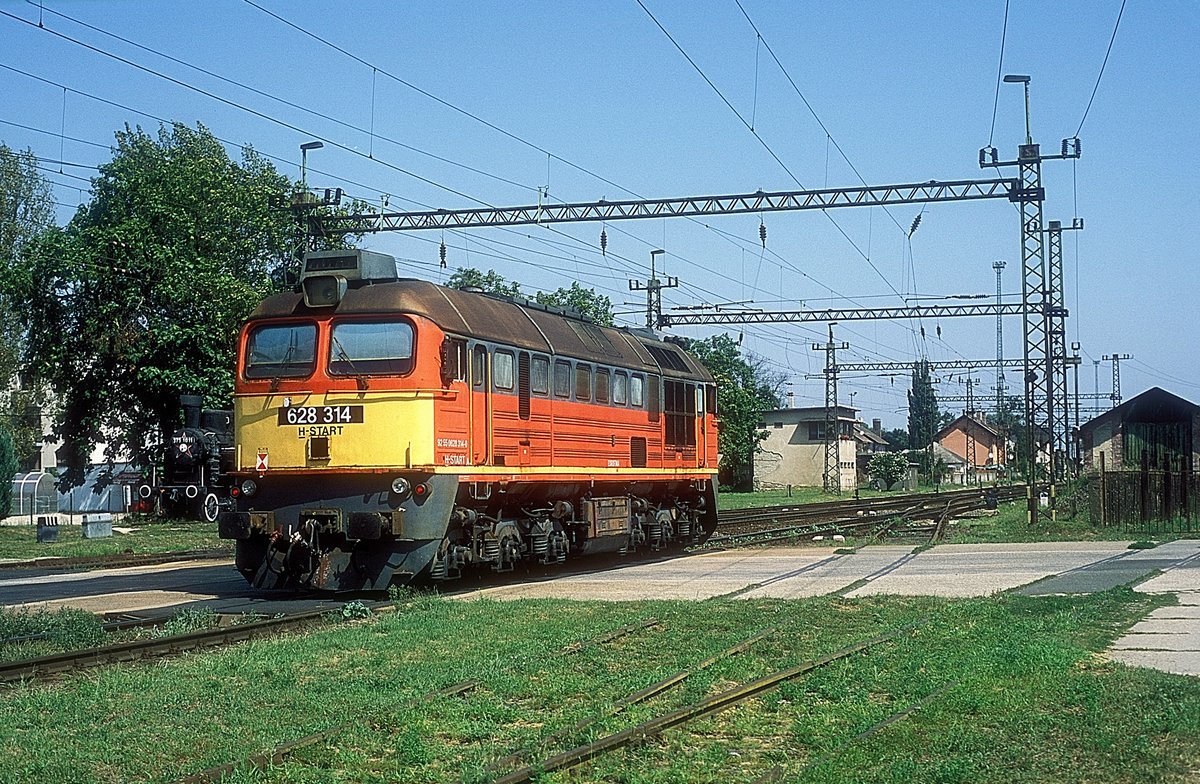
(793, 453)
(1156, 430)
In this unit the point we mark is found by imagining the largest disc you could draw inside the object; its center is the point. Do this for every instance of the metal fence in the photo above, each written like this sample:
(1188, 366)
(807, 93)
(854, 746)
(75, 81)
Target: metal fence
(1149, 502)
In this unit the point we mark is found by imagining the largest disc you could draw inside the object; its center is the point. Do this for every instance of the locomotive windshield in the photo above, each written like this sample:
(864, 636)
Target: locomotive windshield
(359, 348)
(281, 351)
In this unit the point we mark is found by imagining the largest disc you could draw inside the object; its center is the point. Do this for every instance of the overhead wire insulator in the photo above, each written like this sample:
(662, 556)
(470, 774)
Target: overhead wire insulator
(603, 242)
(442, 253)
(762, 233)
(916, 222)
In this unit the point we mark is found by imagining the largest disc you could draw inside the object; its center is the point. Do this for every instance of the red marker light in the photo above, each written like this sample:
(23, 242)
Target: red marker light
(235, 491)
(421, 490)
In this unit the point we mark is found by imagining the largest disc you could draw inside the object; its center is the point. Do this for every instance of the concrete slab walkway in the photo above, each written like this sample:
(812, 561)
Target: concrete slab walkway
(1169, 639)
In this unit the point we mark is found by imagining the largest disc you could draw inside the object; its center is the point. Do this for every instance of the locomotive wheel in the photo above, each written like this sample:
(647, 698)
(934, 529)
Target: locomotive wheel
(211, 508)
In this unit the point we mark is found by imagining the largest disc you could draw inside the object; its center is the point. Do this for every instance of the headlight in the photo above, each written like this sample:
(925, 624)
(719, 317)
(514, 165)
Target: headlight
(249, 487)
(401, 487)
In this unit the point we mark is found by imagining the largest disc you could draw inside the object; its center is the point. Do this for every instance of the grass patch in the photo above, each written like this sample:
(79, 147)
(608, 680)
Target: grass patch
(1010, 524)
(1032, 700)
(25, 634)
(20, 541)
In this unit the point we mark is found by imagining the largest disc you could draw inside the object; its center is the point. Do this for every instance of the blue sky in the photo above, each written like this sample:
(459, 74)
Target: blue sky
(905, 90)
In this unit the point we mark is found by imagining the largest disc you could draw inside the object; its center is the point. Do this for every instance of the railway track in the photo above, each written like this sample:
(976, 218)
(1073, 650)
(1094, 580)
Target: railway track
(707, 706)
(276, 755)
(898, 515)
(114, 561)
(54, 664)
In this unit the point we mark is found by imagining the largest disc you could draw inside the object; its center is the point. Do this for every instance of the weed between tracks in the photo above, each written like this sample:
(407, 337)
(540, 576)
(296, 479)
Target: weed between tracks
(1034, 702)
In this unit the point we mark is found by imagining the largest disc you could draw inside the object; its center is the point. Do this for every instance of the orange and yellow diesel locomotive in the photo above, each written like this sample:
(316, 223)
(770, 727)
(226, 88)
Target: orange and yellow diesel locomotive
(389, 430)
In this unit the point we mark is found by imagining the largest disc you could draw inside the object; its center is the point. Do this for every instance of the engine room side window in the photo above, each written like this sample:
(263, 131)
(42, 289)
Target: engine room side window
(620, 388)
(539, 375)
(502, 369)
(562, 379)
(637, 391)
(382, 348)
(602, 383)
(583, 382)
(281, 351)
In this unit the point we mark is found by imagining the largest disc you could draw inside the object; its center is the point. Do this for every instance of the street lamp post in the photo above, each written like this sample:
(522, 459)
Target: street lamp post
(1022, 79)
(304, 148)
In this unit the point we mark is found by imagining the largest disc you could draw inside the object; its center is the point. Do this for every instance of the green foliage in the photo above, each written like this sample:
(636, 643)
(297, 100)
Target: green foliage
(923, 419)
(66, 628)
(140, 297)
(490, 282)
(595, 306)
(745, 389)
(888, 466)
(352, 610)
(897, 438)
(185, 621)
(8, 468)
(26, 211)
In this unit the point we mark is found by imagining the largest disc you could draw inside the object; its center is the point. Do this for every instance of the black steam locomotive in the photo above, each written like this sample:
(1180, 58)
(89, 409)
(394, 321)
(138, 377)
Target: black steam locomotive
(191, 481)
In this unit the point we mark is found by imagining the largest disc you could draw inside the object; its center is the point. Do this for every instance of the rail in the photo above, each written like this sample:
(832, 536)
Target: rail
(706, 707)
(875, 517)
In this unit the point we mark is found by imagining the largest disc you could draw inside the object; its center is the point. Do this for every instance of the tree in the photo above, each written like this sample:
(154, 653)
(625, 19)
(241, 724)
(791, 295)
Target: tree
(26, 211)
(745, 389)
(891, 467)
(897, 439)
(595, 306)
(141, 296)
(8, 469)
(490, 282)
(587, 302)
(923, 416)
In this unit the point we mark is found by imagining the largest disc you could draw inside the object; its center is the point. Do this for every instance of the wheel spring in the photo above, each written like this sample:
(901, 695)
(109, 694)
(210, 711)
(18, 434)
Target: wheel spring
(540, 544)
(654, 533)
(491, 550)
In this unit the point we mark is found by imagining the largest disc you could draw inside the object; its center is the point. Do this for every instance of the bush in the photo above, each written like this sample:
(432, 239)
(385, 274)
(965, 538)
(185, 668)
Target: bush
(891, 467)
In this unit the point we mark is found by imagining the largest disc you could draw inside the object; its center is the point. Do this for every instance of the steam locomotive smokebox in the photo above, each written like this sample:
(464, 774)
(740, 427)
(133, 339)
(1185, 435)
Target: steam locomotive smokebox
(47, 528)
(97, 526)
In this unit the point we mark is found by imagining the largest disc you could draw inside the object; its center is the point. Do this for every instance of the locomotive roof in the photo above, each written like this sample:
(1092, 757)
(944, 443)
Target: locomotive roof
(483, 316)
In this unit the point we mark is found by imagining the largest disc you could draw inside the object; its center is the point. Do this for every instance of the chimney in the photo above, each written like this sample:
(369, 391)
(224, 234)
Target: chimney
(877, 427)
